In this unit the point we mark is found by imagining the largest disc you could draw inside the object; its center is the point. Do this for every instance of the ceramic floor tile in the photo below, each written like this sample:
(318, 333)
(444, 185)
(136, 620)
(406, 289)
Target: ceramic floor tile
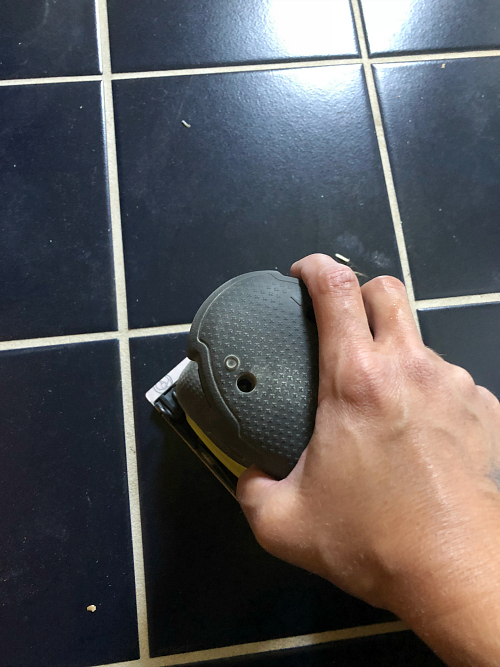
(273, 166)
(400, 649)
(441, 121)
(48, 38)
(185, 33)
(467, 336)
(56, 274)
(64, 528)
(208, 582)
(415, 26)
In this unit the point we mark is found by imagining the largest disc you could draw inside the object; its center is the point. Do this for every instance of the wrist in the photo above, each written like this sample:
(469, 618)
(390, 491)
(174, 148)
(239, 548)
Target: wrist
(467, 634)
(448, 592)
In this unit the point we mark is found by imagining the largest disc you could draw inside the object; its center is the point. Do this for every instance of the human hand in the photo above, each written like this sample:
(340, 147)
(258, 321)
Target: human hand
(396, 498)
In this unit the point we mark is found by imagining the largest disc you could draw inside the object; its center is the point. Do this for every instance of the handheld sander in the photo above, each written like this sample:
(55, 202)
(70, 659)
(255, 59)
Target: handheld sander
(247, 393)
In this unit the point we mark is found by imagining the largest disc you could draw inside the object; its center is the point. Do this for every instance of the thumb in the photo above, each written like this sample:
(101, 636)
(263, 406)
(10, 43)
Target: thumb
(253, 488)
(268, 506)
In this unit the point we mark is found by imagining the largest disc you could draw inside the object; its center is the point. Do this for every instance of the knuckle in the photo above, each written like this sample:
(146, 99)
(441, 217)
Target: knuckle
(386, 284)
(422, 368)
(320, 257)
(335, 278)
(488, 397)
(363, 381)
(463, 379)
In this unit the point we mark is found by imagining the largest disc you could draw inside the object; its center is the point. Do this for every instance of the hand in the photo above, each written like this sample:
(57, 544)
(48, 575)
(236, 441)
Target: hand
(396, 498)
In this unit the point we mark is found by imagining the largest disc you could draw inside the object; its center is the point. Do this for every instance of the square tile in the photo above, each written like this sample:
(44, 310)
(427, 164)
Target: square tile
(466, 336)
(65, 538)
(56, 272)
(208, 582)
(399, 649)
(186, 33)
(48, 38)
(441, 122)
(415, 26)
(275, 165)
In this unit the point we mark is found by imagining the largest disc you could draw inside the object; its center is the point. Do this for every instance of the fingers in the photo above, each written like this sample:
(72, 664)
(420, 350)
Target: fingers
(338, 307)
(389, 311)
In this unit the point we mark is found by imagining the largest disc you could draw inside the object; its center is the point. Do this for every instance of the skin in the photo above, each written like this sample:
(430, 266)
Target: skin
(396, 498)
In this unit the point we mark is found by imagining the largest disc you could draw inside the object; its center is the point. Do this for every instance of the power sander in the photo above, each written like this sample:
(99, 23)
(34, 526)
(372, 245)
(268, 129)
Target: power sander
(247, 392)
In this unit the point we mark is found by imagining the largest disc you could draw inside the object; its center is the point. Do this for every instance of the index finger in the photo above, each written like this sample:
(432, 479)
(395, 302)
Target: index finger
(341, 319)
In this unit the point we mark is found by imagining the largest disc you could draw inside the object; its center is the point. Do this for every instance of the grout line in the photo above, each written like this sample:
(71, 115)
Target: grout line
(420, 304)
(221, 69)
(449, 302)
(98, 29)
(158, 331)
(384, 155)
(57, 340)
(69, 339)
(268, 645)
(50, 79)
(121, 309)
(112, 171)
(227, 69)
(216, 69)
(447, 55)
(133, 492)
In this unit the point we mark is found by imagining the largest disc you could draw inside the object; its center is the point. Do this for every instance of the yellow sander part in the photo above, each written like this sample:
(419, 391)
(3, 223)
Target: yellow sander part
(228, 462)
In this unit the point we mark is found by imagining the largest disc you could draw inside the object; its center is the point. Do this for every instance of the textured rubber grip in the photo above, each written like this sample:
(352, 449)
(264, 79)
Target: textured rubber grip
(253, 389)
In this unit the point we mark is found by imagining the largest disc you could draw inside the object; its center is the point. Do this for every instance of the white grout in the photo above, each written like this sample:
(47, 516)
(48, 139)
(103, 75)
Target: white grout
(268, 645)
(448, 55)
(159, 331)
(449, 302)
(50, 79)
(384, 155)
(420, 304)
(121, 309)
(69, 339)
(221, 69)
(227, 69)
(56, 340)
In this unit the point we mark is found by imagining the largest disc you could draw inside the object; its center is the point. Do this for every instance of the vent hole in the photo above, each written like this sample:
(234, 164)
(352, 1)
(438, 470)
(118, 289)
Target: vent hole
(246, 382)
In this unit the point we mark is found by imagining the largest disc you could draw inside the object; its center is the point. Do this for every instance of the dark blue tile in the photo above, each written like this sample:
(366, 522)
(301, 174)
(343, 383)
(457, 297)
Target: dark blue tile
(64, 529)
(208, 583)
(399, 26)
(467, 336)
(400, 649)
(160, 35)
(275, 165)
(48, 38)
(443, 136)
(56, 274)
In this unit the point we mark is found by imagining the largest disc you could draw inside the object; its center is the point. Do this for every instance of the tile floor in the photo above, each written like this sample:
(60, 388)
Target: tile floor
(367, 128)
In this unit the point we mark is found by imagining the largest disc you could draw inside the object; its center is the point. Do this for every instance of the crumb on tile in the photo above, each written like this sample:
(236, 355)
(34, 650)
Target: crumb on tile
(341, 257)
(185, 123)
(91, 607)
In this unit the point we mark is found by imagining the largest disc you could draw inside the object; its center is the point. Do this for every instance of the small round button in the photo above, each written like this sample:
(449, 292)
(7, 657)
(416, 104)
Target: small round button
(231, 362)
